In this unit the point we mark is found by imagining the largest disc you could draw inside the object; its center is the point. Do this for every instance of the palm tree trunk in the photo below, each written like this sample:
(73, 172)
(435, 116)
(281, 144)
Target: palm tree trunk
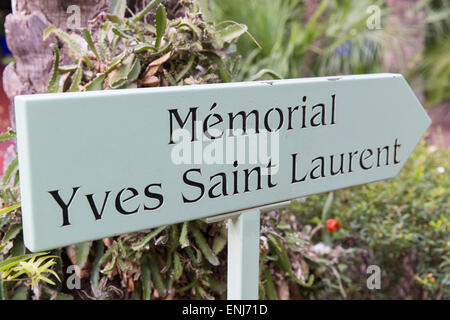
(24, 29)
(34, 57)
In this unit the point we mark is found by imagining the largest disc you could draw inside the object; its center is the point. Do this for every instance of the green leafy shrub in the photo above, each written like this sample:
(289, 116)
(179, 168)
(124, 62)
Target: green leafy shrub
(16, 267)
(35, 270)
(333, 39)
(129, 53)
(401, 225)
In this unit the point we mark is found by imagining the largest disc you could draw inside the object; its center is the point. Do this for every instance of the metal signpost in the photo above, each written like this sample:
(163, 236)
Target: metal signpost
(103, 163)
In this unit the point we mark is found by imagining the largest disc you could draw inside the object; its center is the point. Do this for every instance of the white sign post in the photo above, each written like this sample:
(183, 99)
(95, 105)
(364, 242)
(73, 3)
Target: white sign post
(243, 250)
(103, 163)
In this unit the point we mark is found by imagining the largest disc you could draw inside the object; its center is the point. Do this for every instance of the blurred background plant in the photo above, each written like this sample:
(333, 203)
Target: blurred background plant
(401, 225)
(326, 39)
(322, 245)
(322, 38)
(435, 67)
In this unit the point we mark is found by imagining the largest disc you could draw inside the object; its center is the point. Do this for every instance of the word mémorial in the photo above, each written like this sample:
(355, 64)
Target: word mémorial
(302, 116)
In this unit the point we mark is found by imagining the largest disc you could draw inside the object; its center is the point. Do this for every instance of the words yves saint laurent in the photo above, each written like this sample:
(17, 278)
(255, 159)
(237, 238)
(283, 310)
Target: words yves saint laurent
(240, 178)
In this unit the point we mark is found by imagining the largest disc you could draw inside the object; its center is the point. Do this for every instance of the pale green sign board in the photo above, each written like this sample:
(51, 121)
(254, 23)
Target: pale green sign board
(97, 164)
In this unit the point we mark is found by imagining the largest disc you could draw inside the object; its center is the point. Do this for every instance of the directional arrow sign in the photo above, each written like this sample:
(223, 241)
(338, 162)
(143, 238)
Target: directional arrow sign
(97, 164)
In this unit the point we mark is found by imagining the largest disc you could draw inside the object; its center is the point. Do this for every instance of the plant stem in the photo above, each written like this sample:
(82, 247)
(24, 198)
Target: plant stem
(141, 14)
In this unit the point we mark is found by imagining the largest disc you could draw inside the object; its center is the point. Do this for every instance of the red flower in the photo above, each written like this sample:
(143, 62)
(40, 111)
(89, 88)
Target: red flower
(332, 225)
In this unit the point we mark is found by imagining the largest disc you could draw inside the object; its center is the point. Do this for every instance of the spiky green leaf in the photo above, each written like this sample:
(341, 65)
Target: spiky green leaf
(12, 233)
(156, 276)
(97, 83)
(161, 24)
(118, 8)
(90, 42)
(12, 167)
(232, 32)
(204, 247)
(177, 267)
(142, 13)
(146, 277)
(184, 241)
(149, 237)
(82, 253)
(53, 85)
(7, 136)
(9, 209)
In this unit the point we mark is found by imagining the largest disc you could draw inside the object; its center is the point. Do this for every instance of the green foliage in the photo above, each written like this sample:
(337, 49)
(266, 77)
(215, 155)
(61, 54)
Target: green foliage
(436, 70)
(128, 52)
(167, 265)
(12, 168)
(138, 16)
(161, 24)
(290, 263)
(10, 134)
(9, 209)
(436, 65)
(6, 265)
(14, 262)
(401, 225)
(334, 39)
(35, 270)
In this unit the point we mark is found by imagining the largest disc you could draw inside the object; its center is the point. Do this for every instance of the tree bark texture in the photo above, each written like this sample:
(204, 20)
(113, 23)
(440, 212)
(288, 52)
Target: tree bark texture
(24, 33)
